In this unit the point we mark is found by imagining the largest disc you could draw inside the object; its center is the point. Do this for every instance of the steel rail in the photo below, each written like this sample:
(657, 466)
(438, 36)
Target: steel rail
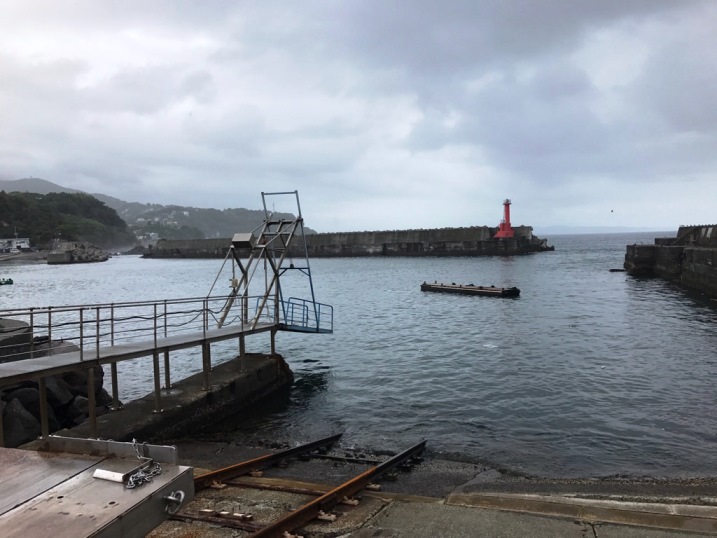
(227, 473)
(302, 516)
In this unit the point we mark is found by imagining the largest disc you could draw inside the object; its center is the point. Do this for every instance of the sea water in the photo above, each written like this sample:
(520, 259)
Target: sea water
(588, 373)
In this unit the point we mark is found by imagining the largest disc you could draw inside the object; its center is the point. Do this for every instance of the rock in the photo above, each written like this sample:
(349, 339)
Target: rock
(104, 398)
(77, 381)
(55, 347)
(19, 426)
(30, 400)
(72, 413)
(28, 397)
(58, 391)
(81, 407)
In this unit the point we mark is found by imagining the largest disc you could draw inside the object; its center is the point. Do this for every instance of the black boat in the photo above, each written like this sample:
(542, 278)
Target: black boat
(471, 289)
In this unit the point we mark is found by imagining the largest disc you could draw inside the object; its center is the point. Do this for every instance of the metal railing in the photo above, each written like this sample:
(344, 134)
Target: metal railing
(88, 328)
(307, 316)
(98, 333)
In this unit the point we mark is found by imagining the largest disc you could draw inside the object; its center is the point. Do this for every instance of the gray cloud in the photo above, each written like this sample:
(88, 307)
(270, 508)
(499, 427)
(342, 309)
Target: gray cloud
(382, 115)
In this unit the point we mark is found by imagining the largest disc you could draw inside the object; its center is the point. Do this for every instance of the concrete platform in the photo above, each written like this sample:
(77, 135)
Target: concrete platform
(392, 515)
(187, 407)
(442, 498)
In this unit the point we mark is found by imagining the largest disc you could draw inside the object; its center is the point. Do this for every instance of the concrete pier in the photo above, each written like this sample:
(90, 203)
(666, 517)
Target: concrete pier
(690, 259)
(467, 241)
(187, 406)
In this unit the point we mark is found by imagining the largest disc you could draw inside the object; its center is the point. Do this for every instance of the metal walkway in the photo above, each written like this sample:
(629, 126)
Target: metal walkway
(31, 369)
(85, 337)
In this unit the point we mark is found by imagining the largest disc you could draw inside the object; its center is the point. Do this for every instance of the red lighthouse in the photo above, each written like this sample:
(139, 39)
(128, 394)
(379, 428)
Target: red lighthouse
(505, 230)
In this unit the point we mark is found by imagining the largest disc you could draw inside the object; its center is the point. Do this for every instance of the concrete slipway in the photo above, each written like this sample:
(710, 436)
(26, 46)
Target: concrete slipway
(446, 499)
(438, 498)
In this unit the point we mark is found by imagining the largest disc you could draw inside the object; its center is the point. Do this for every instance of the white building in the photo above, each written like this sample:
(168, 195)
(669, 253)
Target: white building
(19, 243)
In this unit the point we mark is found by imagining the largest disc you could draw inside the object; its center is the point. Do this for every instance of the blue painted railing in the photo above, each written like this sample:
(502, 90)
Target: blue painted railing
(307, 316)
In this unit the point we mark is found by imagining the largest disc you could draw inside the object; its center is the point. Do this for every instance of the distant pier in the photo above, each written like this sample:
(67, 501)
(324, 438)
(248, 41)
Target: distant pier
(438, 242)
(689, 259)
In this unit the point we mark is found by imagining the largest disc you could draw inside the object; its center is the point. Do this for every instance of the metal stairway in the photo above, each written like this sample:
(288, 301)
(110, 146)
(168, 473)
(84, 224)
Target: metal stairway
(265, 251)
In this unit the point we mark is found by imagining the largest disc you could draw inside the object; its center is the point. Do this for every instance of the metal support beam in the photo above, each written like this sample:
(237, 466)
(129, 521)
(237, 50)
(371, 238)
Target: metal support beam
(115, 388)
(2, 432)
(92, 401)
(157, 385)
(206, 364)
(167, 381)
(44, 422)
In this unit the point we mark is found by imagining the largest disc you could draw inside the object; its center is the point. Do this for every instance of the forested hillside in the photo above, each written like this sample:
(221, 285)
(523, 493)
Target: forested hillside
(70, 217)
(167, 221)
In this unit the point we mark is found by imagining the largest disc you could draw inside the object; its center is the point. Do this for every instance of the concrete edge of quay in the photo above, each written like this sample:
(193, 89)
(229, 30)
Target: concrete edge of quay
(186, 407)
(393, 515)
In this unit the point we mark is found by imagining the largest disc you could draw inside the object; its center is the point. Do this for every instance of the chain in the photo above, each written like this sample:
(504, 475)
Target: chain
(145, 473)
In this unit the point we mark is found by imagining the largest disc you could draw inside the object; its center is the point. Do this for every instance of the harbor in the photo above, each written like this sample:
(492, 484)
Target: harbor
(498, 318)
(473, 487)
(502, 417)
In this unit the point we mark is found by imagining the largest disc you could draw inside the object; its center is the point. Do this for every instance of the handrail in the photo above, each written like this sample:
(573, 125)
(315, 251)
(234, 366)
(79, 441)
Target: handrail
(92, 327)
(307, 316)
(109, 324)
(87, 336)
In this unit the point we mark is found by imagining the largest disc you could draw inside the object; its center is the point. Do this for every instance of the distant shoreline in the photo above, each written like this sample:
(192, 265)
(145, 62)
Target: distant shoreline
(23, 256)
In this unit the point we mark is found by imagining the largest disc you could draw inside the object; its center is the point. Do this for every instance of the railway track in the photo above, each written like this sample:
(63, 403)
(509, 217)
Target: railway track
(221, 486)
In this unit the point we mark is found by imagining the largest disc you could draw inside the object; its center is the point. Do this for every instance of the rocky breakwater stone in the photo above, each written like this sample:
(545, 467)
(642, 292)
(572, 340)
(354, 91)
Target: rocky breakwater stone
(15, 339)
(86, 253)
(67, 397)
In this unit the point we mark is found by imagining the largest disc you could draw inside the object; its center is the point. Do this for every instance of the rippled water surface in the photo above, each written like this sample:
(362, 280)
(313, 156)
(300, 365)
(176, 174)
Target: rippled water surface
(588, 372)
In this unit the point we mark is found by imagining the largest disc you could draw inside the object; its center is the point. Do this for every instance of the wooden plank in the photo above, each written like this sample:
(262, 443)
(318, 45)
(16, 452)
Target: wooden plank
(24, 474)
(84, 506)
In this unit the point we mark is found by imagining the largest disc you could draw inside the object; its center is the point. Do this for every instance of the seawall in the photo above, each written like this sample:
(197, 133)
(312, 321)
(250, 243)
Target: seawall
(690, 259)
(187, 408)
(468, 241)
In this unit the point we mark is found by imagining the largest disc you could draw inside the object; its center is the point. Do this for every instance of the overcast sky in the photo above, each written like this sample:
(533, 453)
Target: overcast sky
(382, 114)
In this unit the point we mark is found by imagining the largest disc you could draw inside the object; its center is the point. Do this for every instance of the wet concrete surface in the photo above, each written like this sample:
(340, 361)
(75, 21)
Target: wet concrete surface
(450, 498)
(436, 477)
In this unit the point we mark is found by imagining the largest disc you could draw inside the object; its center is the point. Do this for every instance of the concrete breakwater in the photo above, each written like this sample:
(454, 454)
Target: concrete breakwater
(690, 259)
(468, 241)
(69, 252)
(187, 408)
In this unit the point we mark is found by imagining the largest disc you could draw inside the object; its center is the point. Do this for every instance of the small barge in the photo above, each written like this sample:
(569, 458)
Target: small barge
(471, 289)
